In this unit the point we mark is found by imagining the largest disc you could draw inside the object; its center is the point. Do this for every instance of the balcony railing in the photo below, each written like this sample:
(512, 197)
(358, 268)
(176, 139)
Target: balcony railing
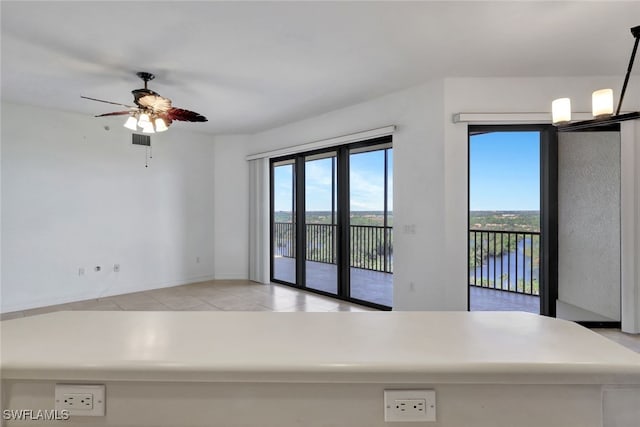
(371, 246)
(505, 260)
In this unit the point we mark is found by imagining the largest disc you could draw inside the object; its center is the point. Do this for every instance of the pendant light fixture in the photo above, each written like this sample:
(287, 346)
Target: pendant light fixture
(602, 102)
(561, 110)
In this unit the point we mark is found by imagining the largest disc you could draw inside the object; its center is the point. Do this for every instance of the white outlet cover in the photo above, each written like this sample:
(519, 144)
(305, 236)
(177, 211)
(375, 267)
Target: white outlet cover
(393, 397)
(96, 390)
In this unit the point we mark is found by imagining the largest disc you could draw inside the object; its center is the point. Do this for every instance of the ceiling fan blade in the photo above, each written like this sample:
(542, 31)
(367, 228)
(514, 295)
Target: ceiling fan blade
(115, 113)
(185, 115)
(107, 102)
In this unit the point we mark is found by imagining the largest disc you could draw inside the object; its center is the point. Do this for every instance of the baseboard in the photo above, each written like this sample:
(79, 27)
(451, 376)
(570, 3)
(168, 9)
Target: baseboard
(231, 277)
(108, 293)
(596, 324)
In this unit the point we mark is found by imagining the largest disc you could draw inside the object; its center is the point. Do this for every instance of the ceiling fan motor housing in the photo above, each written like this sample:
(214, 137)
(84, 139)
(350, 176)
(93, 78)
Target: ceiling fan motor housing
(146, 77)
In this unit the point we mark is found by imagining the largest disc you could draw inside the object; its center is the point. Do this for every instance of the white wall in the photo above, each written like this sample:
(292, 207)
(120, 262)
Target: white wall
(420, 281)
(634, 327)
(231, 229)
(76, 195)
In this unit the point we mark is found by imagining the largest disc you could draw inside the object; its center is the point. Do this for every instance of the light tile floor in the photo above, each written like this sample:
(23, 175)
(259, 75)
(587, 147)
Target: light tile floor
(483, 299)
(630, 341)
(230, 295)
(367, 285)
(238, 295)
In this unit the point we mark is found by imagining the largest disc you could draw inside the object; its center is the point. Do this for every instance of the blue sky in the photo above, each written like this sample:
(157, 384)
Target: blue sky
(504, 175)
(282, 188)
(366, 182)
(504, 171)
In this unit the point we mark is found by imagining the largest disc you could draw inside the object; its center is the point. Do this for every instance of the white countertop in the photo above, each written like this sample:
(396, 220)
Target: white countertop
(381, 347)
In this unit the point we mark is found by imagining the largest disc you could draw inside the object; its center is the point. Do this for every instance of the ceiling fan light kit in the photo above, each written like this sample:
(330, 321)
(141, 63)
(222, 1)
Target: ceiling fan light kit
(160, 125)
(131, 123)
(602, 103)
(152, 112)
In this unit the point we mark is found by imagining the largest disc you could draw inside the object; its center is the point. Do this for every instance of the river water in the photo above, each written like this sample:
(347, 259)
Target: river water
(504, 271)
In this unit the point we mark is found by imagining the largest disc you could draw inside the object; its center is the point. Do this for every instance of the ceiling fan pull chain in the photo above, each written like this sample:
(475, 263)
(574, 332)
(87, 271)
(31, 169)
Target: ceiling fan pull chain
(146, 158)
(150, 152)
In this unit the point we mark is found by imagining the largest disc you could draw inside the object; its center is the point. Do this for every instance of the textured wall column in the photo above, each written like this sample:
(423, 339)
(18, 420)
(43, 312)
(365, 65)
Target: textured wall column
(589, 226)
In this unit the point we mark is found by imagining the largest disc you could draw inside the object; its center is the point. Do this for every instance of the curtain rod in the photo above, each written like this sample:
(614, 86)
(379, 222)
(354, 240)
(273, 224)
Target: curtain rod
(506, 118)
(324, 143)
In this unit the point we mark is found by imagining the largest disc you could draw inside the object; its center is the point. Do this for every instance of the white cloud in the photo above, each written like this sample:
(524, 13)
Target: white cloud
(367, 191)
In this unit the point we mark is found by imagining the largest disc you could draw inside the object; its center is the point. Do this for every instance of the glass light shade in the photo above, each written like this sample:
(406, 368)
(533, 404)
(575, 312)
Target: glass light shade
(602, 103)
(131, 123)
(143, 120)
(148, 128)
(161, 126)
(561, 111)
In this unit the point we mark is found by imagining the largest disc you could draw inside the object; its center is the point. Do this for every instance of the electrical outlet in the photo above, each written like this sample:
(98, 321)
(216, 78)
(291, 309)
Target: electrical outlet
(80, 399)
(409, 405)
(116, 268)
(81, 271)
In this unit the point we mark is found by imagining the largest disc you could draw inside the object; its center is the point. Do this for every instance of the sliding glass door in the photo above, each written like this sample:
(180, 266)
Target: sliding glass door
(504, 218)
(513, 218)
(283, 247)
(332, 222)
(371, 224)
(321, 222)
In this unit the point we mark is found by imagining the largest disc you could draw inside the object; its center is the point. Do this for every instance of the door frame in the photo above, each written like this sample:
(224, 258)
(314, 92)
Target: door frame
(548, 269)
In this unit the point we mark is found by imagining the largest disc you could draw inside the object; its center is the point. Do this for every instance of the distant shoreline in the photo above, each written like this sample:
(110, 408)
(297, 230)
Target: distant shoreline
(527, 220)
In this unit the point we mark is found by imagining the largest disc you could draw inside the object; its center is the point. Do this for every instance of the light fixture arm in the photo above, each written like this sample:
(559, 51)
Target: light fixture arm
(635, 31)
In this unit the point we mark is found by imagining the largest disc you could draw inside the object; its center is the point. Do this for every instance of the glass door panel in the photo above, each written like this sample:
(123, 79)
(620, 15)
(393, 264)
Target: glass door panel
(321, 270)
(370, 227)
(284, 225)
(504, 220)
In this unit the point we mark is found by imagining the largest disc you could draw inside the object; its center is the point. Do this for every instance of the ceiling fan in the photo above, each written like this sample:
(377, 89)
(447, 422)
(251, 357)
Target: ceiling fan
(152, 112)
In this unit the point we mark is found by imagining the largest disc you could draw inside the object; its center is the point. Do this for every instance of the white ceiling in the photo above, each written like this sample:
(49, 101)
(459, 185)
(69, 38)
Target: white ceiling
(250, 66)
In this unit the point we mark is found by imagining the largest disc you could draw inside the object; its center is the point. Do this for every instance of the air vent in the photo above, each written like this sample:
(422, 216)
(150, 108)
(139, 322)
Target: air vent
(138, 139)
